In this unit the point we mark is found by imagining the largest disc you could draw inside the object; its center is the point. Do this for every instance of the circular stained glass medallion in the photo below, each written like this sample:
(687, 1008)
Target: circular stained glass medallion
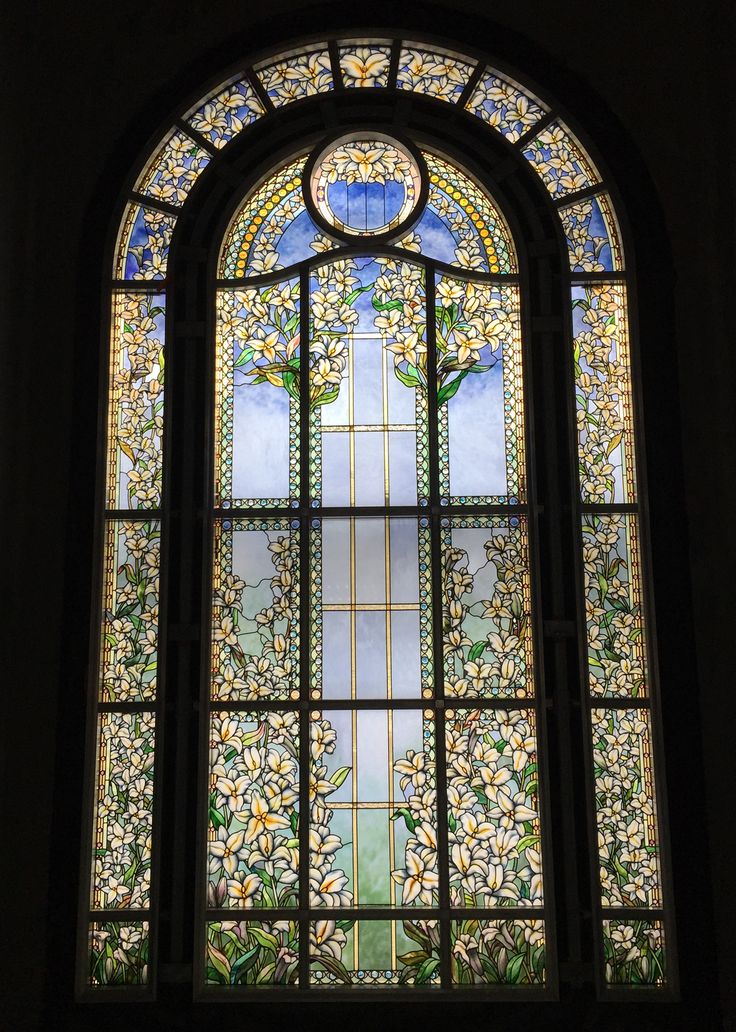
(365, 184)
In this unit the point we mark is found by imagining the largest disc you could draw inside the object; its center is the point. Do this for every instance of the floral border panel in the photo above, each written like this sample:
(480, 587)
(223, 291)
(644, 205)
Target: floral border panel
(295, 76)
(603, 398)
(617, 660)
(131, 595)
(593, 241)
(174, 169)
(558, 158)
(252, 953)
(121, 854)
(393, 953)
(257, 344)
(505, 106)
(628, 836)
(118, 953)
(364, 64)
(486, 613)
(144, 237)
(136, 401)
(493, 808)
(225, 113)
(432, 72)
(634, 952)
(253, 808)
(485, 952)
(255, 623)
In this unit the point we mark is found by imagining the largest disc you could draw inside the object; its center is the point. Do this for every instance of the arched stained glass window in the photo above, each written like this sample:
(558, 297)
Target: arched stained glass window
(385, 648)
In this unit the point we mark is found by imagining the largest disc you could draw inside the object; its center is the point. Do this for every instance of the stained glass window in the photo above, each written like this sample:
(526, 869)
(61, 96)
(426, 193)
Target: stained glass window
(374, 793)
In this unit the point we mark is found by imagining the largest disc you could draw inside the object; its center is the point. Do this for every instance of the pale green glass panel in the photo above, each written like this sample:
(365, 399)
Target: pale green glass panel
(373, 822)
(118, 953)
(296, 76)
(592, 235)
(617, 658)
(226, 112)
(436, 73)
(628, 836)
(493, 809)
(603, 393)
(121, 844)
(374, 953)
(634, 952)
(252, 953)
(505, 106)
(257, 362)
(558, 158)
(129, 660)
(143, 243)
(488, 647)
(498, 952)
(367, 374)
(136, 401)
(371, 617)
(480, 392)
(174, 169)
(365, 64)
(253, 816)
(255, 617)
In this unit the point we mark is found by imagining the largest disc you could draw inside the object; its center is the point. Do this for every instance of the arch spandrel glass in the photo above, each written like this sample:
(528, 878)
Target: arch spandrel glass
(258, 647)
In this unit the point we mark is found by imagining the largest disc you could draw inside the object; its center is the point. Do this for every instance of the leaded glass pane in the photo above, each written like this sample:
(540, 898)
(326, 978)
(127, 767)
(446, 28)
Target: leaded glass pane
(227, 112)
(255, 616)
(143, 243)
(118, 953)
(374, 953)
(558, 158)
(252, 953)
(257, 392)
(131, 594)
(252, 831)
(493, 808)
(498, 952)
(174, 170)
(436, 73)
(479, 398)
(295, 76)
(615, 626)
(486, 614)
(603, 393)
(136, 401)
(592, 235)
(367, 383)
(121, 861)
(628, 838)
(373, 838)
(505, 106)
(365, 64)
(634, 952)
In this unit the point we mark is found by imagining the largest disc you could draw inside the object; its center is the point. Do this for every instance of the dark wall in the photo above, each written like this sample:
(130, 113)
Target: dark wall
(84, 88)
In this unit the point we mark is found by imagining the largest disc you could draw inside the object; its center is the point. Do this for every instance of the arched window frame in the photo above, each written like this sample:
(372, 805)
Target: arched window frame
(194, 252)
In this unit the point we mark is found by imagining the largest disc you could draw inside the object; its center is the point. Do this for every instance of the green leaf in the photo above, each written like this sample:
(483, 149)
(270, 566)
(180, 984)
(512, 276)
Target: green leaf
(216, 818)
(244, 357)
(266, 974)
(404, 812)
(527, 840)
(254, 736)
(219, 961)
(345, 925)
(427, 969)
(244, 964)
(387, 306)
(414, 958)
(265, 939)
(411, 931)
(339, 776)
(476, 651)
(513, 969)
(349, 298)
(326, 398)
(408, 379)
(449, 390)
